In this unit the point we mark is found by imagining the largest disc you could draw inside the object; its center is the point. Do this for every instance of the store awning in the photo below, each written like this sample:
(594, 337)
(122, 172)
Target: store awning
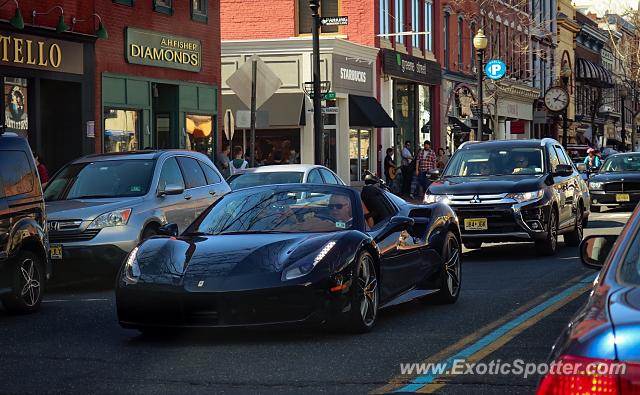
(366, 111)
(593, 74)
(285, 109)
(458, 125)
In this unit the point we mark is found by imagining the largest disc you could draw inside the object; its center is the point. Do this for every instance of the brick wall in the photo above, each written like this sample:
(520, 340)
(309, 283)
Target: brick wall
(249, 20)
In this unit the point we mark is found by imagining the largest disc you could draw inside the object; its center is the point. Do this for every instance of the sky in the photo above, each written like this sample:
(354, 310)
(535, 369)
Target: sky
(600, 7)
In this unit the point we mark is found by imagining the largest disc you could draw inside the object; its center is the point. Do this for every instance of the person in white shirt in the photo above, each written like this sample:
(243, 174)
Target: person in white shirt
(238, 163)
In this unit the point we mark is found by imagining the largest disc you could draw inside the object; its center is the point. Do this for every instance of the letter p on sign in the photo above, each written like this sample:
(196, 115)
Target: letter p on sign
(495, 69)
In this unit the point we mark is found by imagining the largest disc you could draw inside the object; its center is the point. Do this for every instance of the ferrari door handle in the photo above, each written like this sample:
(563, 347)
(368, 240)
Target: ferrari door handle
(187, 197)
(212, 193)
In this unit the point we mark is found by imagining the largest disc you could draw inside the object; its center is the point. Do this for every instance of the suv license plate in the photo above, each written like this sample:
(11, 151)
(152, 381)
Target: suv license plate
(622, 197)
(55, 251)
(475, 224)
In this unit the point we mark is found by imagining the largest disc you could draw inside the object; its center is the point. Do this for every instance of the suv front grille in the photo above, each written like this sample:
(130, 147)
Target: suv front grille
(622, 187)
(70, 236)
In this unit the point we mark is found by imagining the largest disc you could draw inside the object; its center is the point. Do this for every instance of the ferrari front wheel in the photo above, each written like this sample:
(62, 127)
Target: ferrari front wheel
(451, 271)
(364, 302)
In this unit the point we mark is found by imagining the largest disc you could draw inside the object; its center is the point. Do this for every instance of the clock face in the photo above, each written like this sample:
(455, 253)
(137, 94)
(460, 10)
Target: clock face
(556, 99)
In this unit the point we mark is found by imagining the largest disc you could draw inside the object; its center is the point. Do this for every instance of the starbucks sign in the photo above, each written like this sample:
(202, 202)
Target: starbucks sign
(163, 50)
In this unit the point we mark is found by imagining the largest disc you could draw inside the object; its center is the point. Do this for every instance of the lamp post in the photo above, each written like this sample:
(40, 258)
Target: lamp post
(480, 42)
(317, 95)
(565, 74)
(623, 132)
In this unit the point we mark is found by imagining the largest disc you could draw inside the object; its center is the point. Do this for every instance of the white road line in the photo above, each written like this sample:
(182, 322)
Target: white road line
(74, 300)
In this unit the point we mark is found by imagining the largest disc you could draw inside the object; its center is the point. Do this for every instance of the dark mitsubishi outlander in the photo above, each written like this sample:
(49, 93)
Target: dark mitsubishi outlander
(514, 190)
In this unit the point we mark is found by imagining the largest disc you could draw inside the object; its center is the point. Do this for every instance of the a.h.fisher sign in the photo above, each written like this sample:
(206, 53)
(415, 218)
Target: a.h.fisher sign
(163, 50)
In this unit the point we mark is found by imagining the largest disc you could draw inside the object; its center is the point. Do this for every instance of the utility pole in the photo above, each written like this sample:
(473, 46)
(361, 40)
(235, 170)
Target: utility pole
(317, 94)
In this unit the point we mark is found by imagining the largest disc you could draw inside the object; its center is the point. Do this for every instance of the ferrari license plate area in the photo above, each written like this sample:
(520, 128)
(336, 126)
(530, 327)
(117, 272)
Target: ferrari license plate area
(475, 224)
(55, 251)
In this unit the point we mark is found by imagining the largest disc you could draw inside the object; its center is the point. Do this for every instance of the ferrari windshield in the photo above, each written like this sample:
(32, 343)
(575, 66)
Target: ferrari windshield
(480, 162)
(268, 210)
(621, 163)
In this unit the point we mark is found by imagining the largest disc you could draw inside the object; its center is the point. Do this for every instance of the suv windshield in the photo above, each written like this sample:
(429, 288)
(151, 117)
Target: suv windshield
(480, 162)
(106, 179)
(246, 180)
(621, 163)
(277, 211)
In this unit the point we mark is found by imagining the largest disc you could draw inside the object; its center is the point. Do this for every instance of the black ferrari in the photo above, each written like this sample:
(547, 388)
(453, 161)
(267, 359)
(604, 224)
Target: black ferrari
(292, 254)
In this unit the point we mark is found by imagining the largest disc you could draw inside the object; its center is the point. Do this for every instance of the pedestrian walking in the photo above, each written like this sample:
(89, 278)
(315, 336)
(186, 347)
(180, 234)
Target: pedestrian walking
(427, 162)
(42, 169)
(238, 163)
(222, 161)
(442, 159)
(592, 160)
(408, 167)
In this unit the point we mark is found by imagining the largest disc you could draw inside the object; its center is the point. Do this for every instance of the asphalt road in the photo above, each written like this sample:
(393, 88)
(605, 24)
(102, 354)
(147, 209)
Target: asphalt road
(75, 345)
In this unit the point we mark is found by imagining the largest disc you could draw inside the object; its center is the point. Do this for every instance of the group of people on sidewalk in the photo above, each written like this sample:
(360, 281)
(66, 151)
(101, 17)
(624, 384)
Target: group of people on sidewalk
(415, 169)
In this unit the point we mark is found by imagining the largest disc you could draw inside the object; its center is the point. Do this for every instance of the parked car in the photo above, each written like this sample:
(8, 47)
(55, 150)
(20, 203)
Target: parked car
(273, 254)
(605, 332)
(514, 190)
(283, 174)
(101, 206)
(617, 183)
(24, 267)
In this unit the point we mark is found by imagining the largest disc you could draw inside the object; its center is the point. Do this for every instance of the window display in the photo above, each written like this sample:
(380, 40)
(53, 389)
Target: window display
(120, 130)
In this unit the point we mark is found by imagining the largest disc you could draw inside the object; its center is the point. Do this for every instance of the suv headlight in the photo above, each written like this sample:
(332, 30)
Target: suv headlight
(596, 186)
(435, 198)
(521, 197)
(306, 267)
(131, 267)
(112, 218)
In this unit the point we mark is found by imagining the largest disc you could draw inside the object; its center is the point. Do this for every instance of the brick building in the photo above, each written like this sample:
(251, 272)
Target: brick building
(397, 77)
(153, 82)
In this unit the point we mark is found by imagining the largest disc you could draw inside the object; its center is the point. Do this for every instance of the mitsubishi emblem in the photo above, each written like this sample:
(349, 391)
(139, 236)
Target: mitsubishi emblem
(200, 284)
(475, 199)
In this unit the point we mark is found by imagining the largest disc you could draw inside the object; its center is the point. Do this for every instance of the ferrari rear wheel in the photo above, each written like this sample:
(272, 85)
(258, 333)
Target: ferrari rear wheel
(364, 303)
(452, 271)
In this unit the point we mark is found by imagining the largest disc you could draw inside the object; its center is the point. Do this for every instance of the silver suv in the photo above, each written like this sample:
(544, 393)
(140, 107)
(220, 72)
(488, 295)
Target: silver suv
(101, 206)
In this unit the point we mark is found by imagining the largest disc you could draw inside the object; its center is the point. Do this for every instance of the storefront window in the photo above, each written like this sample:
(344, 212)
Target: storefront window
(199, 134)
(16, 110)
(121, 130)
(359, 152)
(330, 126)
(404, 113)
(424, 112)
(273, 147)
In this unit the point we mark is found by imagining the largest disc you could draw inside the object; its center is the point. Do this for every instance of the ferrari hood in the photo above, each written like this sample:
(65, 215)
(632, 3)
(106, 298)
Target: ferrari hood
(226, 262)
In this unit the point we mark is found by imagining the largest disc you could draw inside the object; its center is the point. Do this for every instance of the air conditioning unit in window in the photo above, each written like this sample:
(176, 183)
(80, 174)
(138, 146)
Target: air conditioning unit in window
(606, 109)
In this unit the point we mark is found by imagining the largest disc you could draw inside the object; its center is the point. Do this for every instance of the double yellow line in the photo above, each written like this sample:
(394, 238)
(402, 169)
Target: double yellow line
(413, 384)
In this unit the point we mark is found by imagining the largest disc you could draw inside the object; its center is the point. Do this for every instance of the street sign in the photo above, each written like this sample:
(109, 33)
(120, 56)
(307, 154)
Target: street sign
(329, 96)
(267, 82)
(334, 21)
(326, 110)
(495, 69)
(229, 124)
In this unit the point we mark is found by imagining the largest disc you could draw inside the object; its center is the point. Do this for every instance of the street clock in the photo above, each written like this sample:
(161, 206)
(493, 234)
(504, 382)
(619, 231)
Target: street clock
(556, 99)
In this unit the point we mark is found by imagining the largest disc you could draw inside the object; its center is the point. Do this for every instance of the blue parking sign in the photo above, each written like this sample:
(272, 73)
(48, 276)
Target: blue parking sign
(495, 69)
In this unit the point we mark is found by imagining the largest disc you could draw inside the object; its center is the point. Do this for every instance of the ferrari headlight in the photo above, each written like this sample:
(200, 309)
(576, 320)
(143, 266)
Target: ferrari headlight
(131, 267)
(112, 218)
(306, 267)
(428, 199)
(522, 197)
(596, 186)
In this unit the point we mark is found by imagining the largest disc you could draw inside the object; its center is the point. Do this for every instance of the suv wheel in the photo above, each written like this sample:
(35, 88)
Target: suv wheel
(27, 284)
(549, 246)
(575, 236)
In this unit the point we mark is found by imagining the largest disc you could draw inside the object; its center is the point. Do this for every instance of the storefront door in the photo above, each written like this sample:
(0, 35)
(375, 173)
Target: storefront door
(330, 122)
(359, 153)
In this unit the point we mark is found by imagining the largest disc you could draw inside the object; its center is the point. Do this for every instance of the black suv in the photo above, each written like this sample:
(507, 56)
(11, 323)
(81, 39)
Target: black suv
(24, 266)
(514, 190)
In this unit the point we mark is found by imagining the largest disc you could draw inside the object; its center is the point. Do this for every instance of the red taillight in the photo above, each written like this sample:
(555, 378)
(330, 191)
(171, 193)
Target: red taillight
(590, 376)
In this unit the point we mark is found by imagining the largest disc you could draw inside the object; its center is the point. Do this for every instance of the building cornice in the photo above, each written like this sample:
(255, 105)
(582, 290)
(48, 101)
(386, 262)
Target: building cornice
(298, 45)
(564, 22)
